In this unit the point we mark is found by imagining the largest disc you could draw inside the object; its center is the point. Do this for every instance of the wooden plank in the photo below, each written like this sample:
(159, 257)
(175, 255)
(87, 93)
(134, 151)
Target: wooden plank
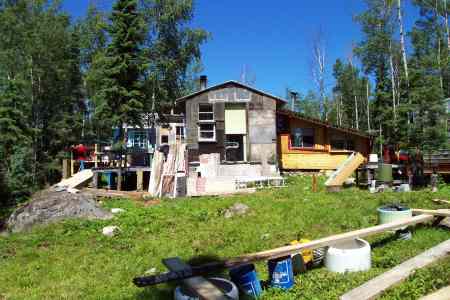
(77, 179)
(328, 241)
(197, 284)
(373, 288)
(285, 250)
(441, 201)
(438, 212)
(442, 294)
(346, 169)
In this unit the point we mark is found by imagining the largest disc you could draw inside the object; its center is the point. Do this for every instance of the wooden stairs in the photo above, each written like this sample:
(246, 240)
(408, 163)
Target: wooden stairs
(346, 169)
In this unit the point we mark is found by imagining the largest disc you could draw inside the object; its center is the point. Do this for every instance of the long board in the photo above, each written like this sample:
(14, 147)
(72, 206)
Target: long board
(442, 294)
(438, 212)
(375, 287)
(282, 251)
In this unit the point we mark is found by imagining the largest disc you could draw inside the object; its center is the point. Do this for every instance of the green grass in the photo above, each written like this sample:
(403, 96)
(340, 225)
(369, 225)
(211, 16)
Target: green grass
(72, 260)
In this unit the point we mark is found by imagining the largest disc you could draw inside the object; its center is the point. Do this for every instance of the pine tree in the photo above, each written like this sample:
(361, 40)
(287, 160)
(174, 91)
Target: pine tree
(14, 131)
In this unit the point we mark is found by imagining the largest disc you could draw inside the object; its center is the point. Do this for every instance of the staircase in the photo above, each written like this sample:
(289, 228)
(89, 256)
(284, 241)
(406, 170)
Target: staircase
(346, 169)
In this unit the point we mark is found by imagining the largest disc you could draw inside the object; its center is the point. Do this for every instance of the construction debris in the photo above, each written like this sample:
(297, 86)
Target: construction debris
(166, 170)
(48, 206)
(279, 252)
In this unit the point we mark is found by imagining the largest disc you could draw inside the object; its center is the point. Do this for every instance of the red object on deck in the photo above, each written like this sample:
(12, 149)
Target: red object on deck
(80, 152)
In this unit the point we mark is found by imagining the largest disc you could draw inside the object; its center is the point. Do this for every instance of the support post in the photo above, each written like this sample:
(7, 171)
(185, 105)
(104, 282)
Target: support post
(95, 156)
(140, 180)
(65, 168)
(72, 164)
(95, 180)
(119, 179)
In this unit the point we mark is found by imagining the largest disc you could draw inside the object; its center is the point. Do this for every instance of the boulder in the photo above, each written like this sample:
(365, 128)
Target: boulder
(49, 206)
(237, 209)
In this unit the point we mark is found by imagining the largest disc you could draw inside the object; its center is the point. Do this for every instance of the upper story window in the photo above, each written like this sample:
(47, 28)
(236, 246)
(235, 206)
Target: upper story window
(180, 132)
(207, 125)
(231, 94)
(206, 113)
(302, 138)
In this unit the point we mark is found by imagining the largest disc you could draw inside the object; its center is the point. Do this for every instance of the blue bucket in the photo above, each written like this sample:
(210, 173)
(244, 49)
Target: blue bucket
(246, 278)
(280, 272)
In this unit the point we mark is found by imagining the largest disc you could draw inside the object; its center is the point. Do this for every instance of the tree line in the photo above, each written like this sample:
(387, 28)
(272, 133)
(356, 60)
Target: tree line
(398, 88)
(65, 81)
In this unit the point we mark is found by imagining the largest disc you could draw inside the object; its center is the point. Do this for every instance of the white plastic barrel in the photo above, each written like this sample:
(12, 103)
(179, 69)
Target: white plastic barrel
(350, 256)
(228, 288)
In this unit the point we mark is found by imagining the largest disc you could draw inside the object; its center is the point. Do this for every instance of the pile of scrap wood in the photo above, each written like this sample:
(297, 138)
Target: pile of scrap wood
(166, 171)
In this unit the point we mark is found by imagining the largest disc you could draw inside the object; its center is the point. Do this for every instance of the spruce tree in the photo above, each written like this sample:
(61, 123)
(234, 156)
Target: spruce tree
(119, 98)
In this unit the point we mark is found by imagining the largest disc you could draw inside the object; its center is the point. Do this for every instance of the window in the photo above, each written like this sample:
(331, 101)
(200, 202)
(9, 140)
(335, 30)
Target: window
(340, 144)
(180, 132)
(205, 113)
(164, 139)
(207, 132)
(302, 138)
(138, 139)
(206, 125)
(230, 94)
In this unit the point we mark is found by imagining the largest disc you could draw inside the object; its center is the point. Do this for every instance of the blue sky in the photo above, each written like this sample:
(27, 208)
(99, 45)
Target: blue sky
(273, 38)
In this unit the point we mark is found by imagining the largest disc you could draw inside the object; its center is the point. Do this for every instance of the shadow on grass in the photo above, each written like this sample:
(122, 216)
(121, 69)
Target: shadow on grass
(165, 291)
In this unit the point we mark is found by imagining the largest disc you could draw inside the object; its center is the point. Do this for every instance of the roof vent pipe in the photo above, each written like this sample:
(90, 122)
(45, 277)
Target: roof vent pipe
(294, 96)
(203, 82)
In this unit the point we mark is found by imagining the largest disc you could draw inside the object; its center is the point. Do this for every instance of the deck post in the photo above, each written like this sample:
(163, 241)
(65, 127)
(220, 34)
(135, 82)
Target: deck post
(65, 168)
(95, 180)
(140, 180)
(119, 179)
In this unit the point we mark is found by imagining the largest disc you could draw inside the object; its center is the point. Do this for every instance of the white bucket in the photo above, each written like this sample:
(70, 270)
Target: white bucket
(350, 256)
(373, 158)
(228, 287)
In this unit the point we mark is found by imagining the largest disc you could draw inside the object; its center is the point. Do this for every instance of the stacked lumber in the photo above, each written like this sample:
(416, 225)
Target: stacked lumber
(163, 173)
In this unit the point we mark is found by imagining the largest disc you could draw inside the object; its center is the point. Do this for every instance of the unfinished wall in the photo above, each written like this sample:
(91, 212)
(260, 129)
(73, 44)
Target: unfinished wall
(262, 129)
(196, 148)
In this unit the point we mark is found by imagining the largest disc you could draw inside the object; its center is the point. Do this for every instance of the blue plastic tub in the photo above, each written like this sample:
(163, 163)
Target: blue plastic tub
(246, 278)
(280, 272)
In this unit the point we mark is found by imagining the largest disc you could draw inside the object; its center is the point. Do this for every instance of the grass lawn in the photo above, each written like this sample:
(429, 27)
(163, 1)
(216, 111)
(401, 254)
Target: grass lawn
(73, 260)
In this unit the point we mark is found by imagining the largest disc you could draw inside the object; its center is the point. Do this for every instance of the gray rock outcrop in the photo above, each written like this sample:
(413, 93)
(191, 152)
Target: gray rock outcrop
(49, 206)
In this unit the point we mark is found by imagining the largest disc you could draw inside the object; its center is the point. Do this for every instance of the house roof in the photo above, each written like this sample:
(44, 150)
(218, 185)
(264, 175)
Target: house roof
(323, 123)
(233, 82)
